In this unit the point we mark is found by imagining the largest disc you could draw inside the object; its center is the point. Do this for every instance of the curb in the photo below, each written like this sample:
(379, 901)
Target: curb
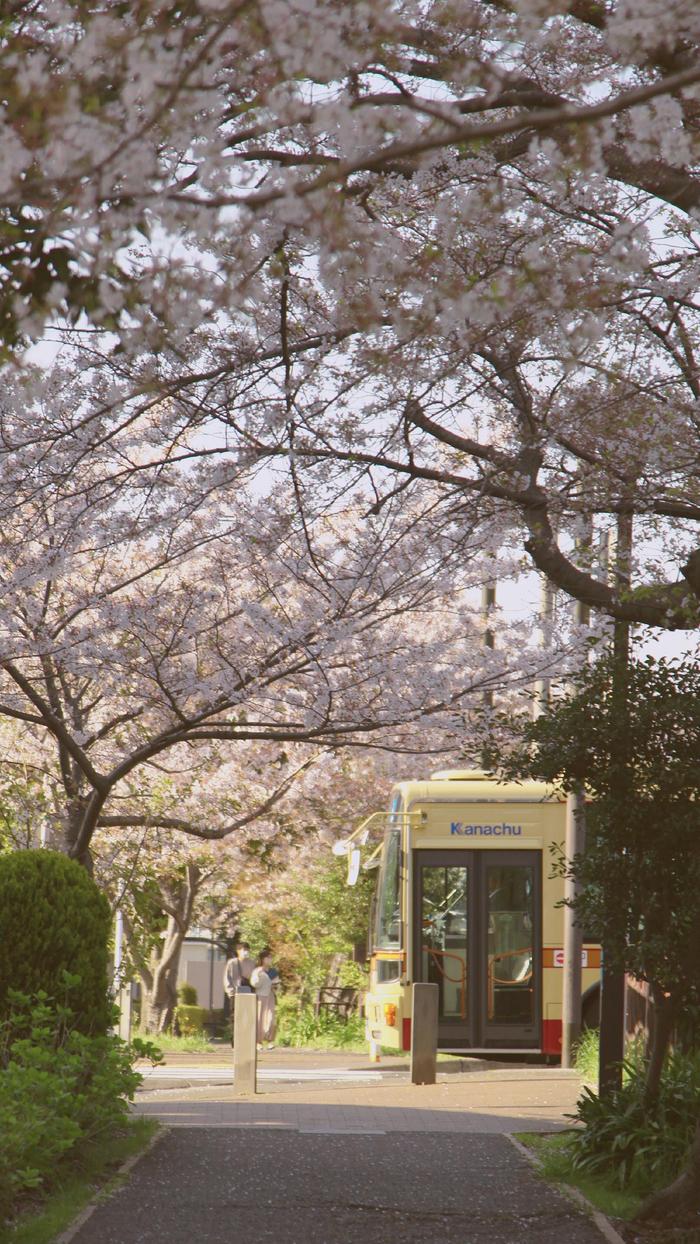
(603, 1223)
(111, 1186)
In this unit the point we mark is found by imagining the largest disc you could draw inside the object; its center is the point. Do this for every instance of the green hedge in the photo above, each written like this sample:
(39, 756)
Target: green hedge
(190, 1019)
(53, 919)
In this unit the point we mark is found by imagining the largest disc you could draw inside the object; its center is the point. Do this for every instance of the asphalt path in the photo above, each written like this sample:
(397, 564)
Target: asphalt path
(230, 1186)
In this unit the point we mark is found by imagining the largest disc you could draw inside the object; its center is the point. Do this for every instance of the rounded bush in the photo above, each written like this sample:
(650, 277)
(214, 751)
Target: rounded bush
(53, 919)
(187, 994)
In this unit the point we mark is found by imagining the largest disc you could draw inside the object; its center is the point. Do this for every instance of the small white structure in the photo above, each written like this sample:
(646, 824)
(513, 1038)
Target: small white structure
(202, 964)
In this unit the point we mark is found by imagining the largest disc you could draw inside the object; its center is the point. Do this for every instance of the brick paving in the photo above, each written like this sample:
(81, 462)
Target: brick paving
(479, 1100)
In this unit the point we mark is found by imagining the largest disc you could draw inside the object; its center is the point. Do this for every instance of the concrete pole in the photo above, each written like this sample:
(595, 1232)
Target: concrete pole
(612, 996)
(245, 1050)
(575, 845)
(424, 1033)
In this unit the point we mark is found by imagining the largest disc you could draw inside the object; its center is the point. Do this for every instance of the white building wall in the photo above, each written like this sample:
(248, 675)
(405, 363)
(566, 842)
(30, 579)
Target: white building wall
(202, 965)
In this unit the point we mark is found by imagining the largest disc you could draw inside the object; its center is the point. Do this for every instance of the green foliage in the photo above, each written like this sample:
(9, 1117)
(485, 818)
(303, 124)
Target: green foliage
(640, 1145)
(353, 975)
(632, 736)
(53, 921)
(554, 1154)
(190, 1019)
(587, 1054)
(187, 994)
(98, 1163)
(298, 1026)
(315, 920)
(59, 1090)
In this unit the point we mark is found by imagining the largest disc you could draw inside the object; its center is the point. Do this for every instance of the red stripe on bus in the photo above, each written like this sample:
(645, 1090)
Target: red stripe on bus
(406, 1034)
(551, 1036)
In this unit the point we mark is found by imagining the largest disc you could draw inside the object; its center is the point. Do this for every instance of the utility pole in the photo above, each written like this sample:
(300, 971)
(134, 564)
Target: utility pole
(574, 847)
(612, 996)
(488, 604)
(575, 831)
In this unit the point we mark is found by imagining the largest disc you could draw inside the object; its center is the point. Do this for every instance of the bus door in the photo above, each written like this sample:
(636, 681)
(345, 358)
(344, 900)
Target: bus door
(476, 934)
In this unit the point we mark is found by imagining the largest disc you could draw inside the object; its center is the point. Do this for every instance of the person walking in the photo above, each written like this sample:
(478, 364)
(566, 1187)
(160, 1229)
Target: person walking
(237, 974)
(265, 981)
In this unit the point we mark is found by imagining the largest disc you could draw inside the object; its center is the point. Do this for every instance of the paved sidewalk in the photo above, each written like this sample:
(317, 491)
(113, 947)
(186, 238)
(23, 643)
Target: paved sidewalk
(212, 1187)
(526, 1098)
(302, 1089)
(349, 1163)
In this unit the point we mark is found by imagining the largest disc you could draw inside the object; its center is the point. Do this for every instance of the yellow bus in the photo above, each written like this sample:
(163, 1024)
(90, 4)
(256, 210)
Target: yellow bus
(466, 900)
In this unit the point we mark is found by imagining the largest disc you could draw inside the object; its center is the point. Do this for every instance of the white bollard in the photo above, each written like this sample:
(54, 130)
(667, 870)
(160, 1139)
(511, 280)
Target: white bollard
(424, 1033)
(245, 1050)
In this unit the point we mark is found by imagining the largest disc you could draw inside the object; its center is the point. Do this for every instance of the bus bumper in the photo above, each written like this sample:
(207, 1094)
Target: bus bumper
(386, 1021)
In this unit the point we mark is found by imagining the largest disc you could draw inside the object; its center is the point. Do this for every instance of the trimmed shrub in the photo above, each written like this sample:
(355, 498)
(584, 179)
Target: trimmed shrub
(54, 920)
(190, 1020)
(187, 994)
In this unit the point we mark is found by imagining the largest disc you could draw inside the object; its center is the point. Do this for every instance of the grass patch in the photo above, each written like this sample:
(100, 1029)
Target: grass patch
(554, 1155)
(586, 1055)
(300, 1028)
(195, 1044)
(95, 1169)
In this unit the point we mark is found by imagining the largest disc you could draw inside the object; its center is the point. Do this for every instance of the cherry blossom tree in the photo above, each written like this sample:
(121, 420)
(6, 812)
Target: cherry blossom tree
(429, 265)
(163, 882)
(135, 138)
(445, 246)
(138, 627)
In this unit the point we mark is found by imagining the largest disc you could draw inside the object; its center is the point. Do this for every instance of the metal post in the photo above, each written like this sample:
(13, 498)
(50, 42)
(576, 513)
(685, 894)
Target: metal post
(211, 972)
(125, 1008)
(118, 950)
(121, 992)
(424, 1033)
(245, 1051)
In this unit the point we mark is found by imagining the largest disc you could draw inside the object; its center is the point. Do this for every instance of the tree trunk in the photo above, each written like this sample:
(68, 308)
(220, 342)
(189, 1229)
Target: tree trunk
(664, 1013)
(680, 1196)
(159, 984)
(66, 832)
(159, 997)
